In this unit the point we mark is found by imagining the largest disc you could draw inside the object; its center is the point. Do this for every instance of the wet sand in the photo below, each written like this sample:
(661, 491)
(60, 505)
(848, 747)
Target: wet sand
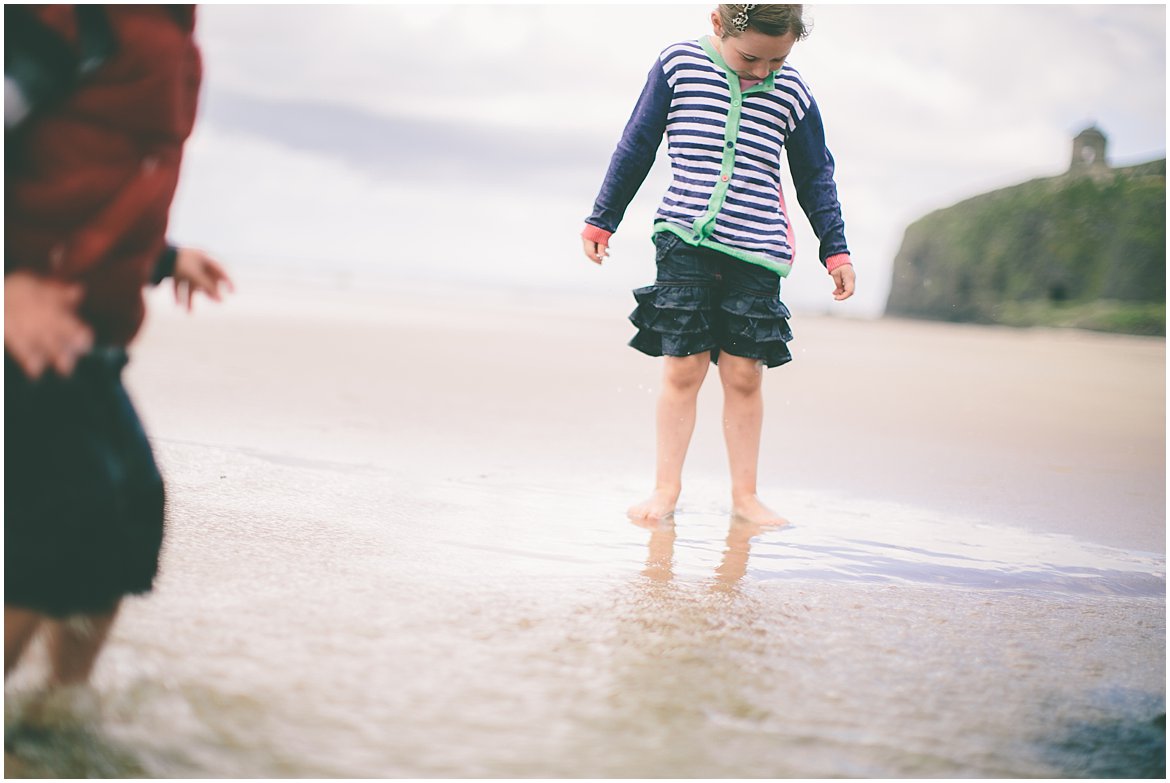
(397, 548)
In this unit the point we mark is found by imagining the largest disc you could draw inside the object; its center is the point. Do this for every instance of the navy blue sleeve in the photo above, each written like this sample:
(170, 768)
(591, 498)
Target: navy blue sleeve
(165, 266)
(812, 169)
(635, 152)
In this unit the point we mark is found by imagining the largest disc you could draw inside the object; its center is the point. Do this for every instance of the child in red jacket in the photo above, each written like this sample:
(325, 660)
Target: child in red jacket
(99, 101)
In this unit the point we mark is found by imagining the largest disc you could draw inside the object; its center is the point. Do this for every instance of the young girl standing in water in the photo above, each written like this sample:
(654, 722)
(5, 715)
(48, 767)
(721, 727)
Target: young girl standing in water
(729, 107)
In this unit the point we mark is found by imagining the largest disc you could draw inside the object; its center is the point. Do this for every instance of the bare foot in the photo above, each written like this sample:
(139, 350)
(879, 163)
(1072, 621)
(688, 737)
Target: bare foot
(750, 509)
(657, 508)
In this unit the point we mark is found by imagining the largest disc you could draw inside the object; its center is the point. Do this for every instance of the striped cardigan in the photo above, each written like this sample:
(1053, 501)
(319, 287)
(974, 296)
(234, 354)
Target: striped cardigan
(725, 144)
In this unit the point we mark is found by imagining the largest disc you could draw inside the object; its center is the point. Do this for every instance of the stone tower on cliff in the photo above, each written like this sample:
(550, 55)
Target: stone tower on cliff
(1088, 152)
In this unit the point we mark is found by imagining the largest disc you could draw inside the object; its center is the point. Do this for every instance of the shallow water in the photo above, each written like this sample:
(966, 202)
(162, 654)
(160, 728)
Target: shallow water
(325, 619)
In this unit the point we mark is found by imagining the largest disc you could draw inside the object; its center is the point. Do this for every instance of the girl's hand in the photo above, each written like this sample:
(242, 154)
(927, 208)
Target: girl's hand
(196, 271)
(42, 329)
(844, 278)
(595, 251)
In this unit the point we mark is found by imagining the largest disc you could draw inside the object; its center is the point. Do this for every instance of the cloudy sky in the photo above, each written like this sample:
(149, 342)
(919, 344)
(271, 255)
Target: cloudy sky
(466, 143)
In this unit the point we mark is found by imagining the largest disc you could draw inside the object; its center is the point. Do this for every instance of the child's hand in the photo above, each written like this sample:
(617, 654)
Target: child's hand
(41, 327)
(596, 251)
(844, 278)
(196, 271)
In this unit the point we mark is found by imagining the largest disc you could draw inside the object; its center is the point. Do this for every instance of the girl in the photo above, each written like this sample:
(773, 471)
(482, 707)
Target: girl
(729, 106)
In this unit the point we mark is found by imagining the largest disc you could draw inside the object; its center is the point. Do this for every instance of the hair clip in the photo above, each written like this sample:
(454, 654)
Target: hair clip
(740, 22)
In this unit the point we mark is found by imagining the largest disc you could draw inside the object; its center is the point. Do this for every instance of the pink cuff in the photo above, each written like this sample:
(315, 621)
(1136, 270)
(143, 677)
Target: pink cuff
(598, 235)
(839, 260)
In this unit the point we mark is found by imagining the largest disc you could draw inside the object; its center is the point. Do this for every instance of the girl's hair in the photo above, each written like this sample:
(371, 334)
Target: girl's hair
(767, 18)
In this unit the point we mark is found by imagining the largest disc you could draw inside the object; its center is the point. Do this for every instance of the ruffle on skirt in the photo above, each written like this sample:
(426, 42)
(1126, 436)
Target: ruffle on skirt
(674, 320)
(756, 326)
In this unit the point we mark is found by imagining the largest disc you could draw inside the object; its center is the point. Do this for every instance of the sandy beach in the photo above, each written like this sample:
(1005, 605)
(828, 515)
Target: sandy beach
(397, 547)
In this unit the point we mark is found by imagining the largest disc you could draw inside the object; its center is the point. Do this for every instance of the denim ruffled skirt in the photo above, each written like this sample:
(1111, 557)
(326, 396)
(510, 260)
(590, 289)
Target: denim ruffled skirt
(704, 300)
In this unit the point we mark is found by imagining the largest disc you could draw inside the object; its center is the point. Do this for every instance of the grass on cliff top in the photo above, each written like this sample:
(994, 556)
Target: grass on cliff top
(1144, 318)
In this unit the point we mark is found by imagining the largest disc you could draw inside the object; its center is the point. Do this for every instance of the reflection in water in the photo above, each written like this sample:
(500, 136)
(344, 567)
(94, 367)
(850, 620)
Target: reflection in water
(660, 559)
(740, 532)
(683, 677)
(739, 545)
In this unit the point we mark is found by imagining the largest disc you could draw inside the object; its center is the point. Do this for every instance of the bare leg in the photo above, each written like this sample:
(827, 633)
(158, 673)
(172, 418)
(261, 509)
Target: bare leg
(743, 419)
(19, 627)
(681, 378)
(74, 646)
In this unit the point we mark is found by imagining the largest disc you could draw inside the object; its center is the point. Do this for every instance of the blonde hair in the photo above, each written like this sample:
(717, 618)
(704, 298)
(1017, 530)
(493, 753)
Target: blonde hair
(767, 18)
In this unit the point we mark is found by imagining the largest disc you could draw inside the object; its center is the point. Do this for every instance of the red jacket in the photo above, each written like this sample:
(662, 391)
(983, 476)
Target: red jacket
(90, 185)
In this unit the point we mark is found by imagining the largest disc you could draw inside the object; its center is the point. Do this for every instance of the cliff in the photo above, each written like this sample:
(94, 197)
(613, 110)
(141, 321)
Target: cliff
(1084, 249)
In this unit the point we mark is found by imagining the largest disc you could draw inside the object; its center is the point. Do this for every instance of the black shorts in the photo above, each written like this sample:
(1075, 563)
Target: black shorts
(83, 499)
(704, 300)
